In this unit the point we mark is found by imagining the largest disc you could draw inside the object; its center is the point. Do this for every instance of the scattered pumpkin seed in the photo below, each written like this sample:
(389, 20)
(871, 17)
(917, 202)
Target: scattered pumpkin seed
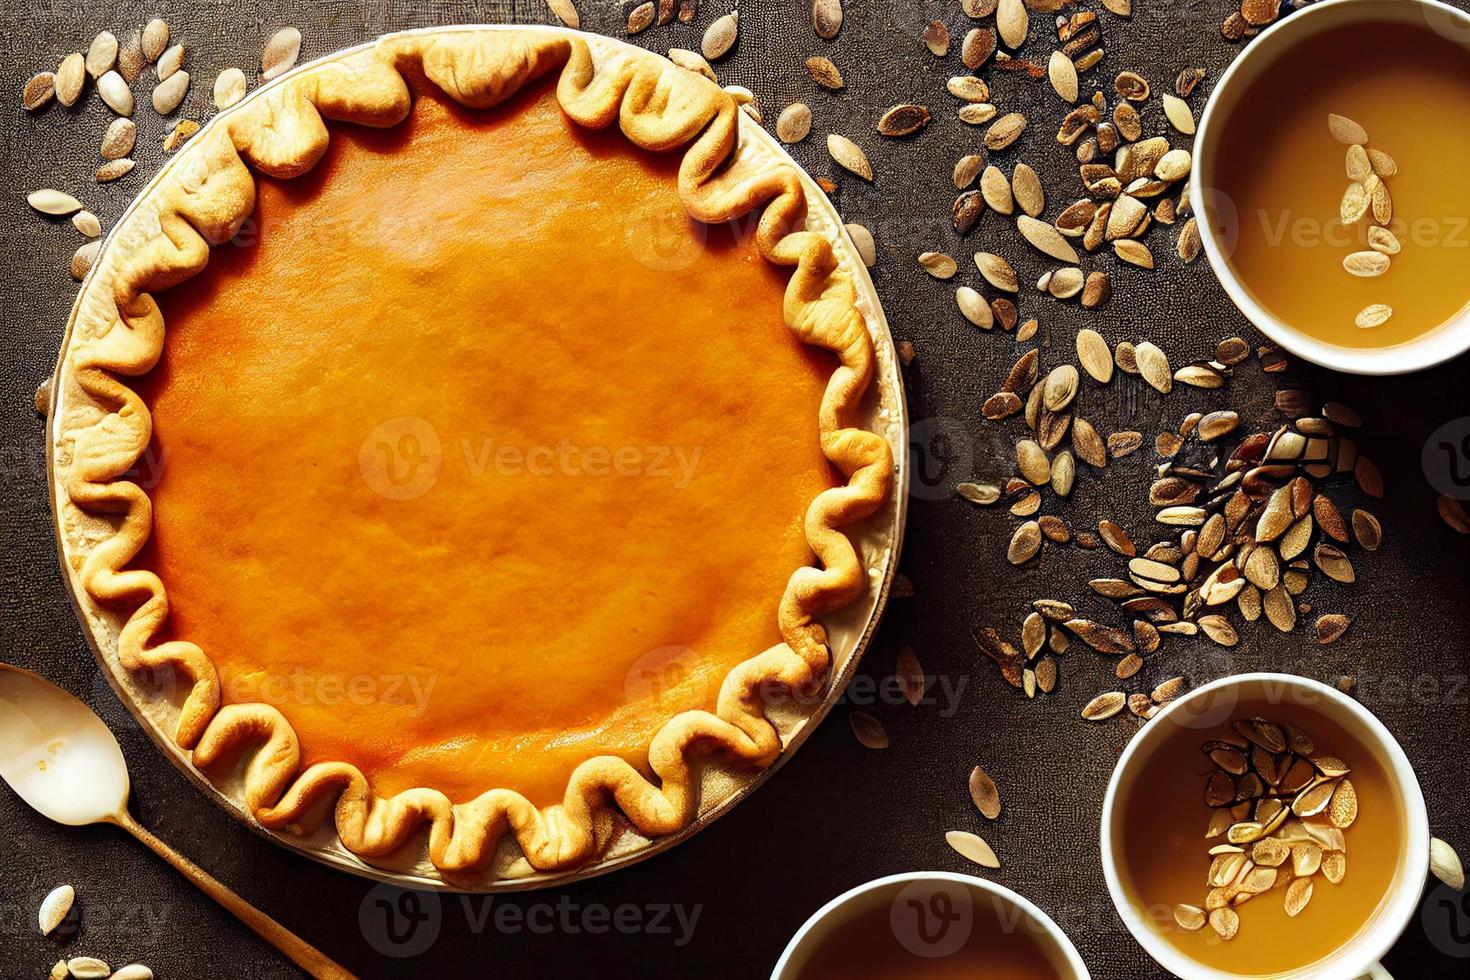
(284, 46)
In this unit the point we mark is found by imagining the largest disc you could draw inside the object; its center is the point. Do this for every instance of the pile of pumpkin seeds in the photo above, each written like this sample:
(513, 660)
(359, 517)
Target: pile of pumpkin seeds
(1282, 810)
(1368, 171)
(1249, 516)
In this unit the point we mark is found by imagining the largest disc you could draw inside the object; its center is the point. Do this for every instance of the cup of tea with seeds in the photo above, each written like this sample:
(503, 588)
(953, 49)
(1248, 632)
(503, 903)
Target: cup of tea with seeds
(1265, 825)
(1330, 183)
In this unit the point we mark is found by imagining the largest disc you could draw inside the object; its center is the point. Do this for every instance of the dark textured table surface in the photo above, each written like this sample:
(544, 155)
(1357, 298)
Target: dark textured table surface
(724, 903)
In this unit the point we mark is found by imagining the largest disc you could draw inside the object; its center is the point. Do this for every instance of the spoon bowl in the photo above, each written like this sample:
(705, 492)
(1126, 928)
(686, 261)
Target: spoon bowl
(56, 754)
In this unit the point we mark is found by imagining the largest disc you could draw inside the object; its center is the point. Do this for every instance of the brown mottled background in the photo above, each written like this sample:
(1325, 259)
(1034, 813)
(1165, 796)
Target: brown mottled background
(837, 814)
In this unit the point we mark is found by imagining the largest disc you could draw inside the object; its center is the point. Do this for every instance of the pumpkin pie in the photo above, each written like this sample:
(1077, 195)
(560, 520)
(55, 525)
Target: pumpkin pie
(499, 453)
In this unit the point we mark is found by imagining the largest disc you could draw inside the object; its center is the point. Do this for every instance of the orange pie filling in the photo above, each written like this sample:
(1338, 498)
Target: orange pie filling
(475, 456)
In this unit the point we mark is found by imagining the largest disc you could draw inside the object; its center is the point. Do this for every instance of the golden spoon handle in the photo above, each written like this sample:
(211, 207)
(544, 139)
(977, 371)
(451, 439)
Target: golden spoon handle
(300, 952)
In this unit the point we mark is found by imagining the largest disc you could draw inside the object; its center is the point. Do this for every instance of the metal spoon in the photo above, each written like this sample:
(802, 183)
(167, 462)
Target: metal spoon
(62, 760)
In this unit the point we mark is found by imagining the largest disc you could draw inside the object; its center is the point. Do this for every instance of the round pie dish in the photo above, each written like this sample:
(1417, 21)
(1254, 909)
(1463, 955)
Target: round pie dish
(506, 495)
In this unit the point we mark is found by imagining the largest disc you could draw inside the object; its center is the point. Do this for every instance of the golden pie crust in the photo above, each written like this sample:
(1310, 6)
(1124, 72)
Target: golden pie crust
(205, 196)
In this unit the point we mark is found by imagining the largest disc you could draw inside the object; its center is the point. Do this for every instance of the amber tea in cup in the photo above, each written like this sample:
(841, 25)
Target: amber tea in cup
(930, 926)
(1339, 185)
(1263, 842)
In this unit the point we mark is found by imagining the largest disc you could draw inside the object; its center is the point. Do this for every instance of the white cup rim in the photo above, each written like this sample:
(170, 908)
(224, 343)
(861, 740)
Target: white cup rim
(1394, 917)
(1439, 345)
(1054, 931)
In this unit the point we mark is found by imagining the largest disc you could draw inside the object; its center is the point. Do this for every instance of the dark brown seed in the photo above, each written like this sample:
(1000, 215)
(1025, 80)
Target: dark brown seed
(1369, 480)
(39, 90)
(666, 11)
(968, 208)
(1054, 528)
(936, 38)
(1103, 639)
(984, 793)
(1077, 122)
(1131, 86)
(1001, 405)
(978, 46)
(1023, 373)
(903, 120)
(1331, 627)
(1186, 80)
(1453, 513)
(1120, 444)
(1232, 351)
(1096, 290)
(824, 73)
(976, 9)
(869, 730)
(1146, 635)
(1328, 518)
(1233, 28)
(1005, 312)
(1366, 529)
(1116, 538)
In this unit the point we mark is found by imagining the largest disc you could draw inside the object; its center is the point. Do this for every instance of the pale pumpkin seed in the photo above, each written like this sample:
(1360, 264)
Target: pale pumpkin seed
(1177, 111)
(284, 46)
(1153, 365)
(170, 62)
(1027, 189)
(973, 848)
(1372, 316)
(997, 271)
(1012, 22)
(168, 94)
(1004, 131)
(114, 169)
(966, 169)
(115, 93)
(938, 264)
(1104, 706)
(974, 308)
(1446, 864)
(996, 190)
(849, 156)
(968, 88)
(1062, 74)
(1046, 239)
(86, 222)
(862, 240)
(229, 88)
(53, 202)
(71, 76)
(1025, 543)
(1134, 253)
(1344, 130)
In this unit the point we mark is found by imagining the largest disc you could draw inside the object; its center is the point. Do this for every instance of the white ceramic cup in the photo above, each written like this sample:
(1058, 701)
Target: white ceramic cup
(1439, 345)
(1209, 706)
(909, 896)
